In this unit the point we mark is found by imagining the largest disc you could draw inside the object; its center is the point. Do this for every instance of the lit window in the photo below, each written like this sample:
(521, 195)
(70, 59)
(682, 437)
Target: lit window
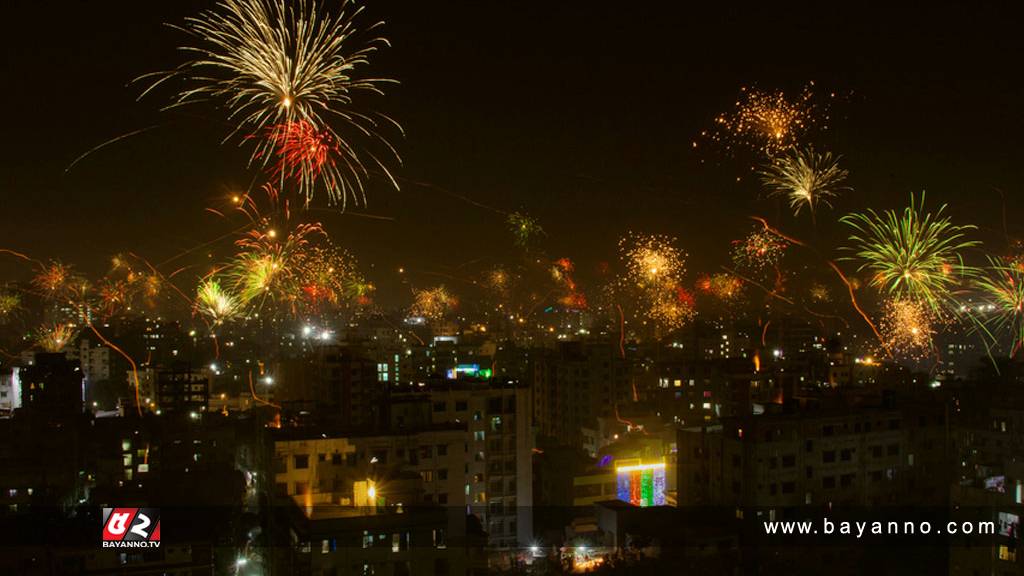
(1008, 554)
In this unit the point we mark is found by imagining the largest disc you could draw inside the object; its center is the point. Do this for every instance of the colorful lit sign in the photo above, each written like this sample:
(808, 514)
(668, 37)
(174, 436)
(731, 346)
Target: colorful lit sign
(641, 484)
(471, 370)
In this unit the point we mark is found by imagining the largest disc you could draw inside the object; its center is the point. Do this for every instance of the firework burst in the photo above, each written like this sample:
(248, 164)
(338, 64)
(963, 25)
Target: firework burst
(1003, 285)
(55, 280)
(499, 281)
(433, 303)
(769, 122)
(722, 286)
(805, 178)
(10, 304)
(655, 267)
(759, 251)
(673, 309)
(280, 67)
(907, 327)
(215, 304)
(115, 295)
(653, 261)
(525, 229)
(56, 337)
(271, 266)
(820, 293)
(914, 256)
(330, 277)
(307, 156)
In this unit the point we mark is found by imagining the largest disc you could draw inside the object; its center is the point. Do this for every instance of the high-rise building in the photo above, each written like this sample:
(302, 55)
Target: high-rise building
(182, 389)
(334, 381)
(576, 384)
(498, 468)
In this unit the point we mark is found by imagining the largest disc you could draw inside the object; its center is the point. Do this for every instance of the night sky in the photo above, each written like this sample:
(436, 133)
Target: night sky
(581, 114)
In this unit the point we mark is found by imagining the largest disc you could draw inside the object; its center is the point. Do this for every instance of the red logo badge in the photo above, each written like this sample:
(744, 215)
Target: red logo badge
(131, 527)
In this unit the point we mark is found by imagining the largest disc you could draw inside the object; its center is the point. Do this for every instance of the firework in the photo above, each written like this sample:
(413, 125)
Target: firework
(114, 295)
(562, 273)
(56, 337)
(820, 292)
(525, 229)
(907, 327)
(498, 281)
(805, 178)
(54, 280)
(10, 303)
(724, 287)
(672, 309)
(769, 122)
(1003, 285)
(216, 304)
(653, 261)
(574, 300)
(271, 266)
(655, 267)
(307, 155)
(278, 66)
(151, 286)
(758, 251)
(913, 256)
(433, 303)
(329, 276)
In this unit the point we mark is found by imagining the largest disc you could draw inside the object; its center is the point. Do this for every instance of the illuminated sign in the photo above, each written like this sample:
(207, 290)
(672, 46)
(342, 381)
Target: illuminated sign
(471, 370)
(641, 484)
(1009, 524)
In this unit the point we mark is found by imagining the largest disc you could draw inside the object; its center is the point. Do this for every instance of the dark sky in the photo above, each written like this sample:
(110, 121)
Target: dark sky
(580, 113)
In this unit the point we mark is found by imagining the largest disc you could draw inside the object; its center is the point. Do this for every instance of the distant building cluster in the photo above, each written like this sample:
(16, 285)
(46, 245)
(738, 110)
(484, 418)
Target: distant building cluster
(390, 448)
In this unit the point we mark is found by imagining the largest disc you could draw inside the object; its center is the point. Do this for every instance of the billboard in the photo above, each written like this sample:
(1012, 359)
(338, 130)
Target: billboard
(641, 483)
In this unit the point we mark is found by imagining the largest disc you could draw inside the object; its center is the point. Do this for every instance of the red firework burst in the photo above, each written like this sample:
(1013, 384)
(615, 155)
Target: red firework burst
(304, 154)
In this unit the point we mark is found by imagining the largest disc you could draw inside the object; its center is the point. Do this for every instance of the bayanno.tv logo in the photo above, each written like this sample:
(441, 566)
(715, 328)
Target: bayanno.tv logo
(131, 527)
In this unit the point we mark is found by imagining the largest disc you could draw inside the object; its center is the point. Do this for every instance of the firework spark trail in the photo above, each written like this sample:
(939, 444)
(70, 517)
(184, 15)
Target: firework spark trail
(622, 333)
(273, 64)
(131, 362)
(107, 143)
(164, 278)
(20, 255)
(252, 390)
(835, 268)
(765, 289)
(455, 195)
